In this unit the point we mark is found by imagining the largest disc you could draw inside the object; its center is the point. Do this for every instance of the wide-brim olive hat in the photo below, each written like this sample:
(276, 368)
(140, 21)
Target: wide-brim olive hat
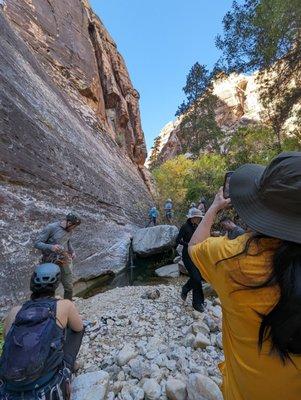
(268, 199)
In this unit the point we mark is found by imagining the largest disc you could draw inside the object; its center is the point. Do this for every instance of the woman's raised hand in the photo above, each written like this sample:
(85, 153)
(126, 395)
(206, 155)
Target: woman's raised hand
(220, 202)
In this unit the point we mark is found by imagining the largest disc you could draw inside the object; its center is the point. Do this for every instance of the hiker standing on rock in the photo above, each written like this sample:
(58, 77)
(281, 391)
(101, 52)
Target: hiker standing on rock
(168, 209)
(192, 206)
(153, 215)
(42, 340)
(54, 242)
(257, 277)
(194, 282)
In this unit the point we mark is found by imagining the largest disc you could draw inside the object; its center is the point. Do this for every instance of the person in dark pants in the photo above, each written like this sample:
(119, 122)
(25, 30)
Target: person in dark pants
(42, 340)
(194, 282)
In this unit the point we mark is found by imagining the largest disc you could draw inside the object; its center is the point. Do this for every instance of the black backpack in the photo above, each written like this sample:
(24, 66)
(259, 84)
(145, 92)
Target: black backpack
(34, 343)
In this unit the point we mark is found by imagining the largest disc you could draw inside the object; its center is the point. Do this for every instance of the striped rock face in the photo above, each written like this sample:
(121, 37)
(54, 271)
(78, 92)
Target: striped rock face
(71, 138)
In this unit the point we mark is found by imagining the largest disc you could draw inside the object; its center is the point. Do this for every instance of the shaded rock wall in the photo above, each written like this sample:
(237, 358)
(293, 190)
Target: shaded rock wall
(57, 146)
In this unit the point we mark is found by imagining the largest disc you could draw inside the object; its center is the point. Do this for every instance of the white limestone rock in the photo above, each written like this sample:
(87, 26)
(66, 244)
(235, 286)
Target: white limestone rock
(151, 389)
(201, 341)
(90, 386)
(125, 355)
(200, 387)
(176, 389)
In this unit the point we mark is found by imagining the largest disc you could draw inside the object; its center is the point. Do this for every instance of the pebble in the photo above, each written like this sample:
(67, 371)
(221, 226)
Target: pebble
(152, 389)
(201, 341)
(201, 387)
(176, 389)
(125, 355)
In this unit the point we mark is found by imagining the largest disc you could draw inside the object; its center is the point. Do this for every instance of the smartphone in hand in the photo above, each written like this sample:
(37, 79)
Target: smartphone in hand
(226, 184)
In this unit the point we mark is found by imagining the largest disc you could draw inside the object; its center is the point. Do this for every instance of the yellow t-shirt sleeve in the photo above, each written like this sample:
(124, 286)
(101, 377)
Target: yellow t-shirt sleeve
(207, 254)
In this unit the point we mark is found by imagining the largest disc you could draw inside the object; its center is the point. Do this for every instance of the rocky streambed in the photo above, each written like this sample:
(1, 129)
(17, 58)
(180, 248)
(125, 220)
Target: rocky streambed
(143, 342)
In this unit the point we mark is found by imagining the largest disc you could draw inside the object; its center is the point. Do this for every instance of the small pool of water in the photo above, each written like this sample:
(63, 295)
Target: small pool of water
(141, 273)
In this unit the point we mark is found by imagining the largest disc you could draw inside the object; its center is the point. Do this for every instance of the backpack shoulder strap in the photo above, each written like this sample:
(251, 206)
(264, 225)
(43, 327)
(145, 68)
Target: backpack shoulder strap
(50, 303)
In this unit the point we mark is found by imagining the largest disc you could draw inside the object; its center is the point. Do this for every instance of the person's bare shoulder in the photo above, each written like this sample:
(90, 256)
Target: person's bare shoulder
(65, 304)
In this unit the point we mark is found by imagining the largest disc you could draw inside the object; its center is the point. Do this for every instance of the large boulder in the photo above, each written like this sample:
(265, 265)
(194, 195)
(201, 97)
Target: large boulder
(154, 240)
(90, 386)
(169, 271)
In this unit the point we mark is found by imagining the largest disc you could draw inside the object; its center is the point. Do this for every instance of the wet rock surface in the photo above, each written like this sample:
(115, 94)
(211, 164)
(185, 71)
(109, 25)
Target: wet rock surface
(65, 96)
(147, 346)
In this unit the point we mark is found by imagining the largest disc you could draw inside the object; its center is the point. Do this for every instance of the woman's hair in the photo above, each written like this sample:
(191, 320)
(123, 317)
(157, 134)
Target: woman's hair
(42, 294)
(282, 325)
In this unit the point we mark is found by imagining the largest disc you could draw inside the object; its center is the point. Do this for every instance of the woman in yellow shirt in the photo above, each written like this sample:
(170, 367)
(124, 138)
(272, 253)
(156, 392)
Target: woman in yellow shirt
(258, 279)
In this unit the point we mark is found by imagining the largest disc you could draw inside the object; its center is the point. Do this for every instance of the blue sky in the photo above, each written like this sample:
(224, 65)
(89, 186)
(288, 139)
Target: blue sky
(160, 40)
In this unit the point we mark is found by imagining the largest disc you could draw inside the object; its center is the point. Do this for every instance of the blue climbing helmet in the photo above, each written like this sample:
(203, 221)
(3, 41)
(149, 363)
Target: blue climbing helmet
(45, 277)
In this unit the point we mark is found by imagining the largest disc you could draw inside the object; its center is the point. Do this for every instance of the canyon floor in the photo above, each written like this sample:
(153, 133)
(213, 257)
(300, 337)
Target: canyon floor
(143, 342)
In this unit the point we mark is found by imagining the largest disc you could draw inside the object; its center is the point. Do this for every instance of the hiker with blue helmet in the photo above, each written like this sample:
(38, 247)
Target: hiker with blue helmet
(55, 243)
(168, 209)
(42, 339)
(153, 215)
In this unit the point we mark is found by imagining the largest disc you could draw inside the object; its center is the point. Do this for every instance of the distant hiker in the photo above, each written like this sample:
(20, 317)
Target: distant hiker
(54, 242)
(168, 209)
(232, 230)
(202, 205)
(192, 205)
(42, 340)
(194, 283)
(153, 215)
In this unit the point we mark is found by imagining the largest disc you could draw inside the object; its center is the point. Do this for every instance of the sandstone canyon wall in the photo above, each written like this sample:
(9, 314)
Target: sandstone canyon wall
(70, 138)
(238, 104)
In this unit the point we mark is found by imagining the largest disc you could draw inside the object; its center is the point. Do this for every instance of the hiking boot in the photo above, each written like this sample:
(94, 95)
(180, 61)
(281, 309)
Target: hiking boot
(200, 308)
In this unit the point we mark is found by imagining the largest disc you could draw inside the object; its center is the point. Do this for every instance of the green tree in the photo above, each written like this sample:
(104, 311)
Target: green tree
(185, 181)
(199, 128)
(153, 159)
(256, 144)
(265, 36)
(171, 179)
(252, 144)
(206, 177)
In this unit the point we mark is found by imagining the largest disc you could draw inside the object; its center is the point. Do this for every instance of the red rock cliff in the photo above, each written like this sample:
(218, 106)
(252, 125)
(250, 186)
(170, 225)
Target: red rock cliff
(70, 139)
(78, 52)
